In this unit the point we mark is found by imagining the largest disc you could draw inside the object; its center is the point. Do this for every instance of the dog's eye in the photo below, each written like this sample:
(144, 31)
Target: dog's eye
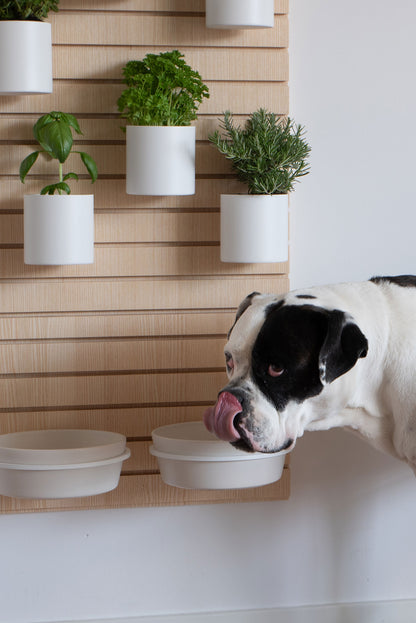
(229, 362)
(275, 370)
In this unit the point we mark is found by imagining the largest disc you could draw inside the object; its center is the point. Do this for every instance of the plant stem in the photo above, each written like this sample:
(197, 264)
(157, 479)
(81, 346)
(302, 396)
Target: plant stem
(60, 172)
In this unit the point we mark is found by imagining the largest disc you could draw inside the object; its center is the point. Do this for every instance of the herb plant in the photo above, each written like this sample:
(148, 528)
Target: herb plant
(36, 10)
(269, 153)
(53, 132)
(161, 90)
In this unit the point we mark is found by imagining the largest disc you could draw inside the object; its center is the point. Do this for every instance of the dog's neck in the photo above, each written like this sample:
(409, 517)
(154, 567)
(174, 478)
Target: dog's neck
(365, 398)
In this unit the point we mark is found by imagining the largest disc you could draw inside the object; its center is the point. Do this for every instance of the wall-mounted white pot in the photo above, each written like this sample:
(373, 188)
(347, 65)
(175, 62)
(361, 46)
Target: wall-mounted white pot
(25, 57)
(239, 13)
(254, 228)
(160, 160)
(59, 229)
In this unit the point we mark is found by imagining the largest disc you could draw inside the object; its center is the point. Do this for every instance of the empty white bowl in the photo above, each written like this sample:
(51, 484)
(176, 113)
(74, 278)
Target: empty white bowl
(60, 463)
(190, 457)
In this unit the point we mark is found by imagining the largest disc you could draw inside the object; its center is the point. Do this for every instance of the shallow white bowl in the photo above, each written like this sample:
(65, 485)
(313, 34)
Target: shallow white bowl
(60, 463)
(58, 447)
(190, 457)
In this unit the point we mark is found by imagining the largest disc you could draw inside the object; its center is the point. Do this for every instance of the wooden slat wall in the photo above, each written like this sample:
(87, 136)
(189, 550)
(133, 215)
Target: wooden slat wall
(135, 340)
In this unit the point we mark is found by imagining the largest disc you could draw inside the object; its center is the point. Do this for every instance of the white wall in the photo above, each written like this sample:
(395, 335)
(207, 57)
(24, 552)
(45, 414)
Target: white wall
(347, 534)
(353, 87)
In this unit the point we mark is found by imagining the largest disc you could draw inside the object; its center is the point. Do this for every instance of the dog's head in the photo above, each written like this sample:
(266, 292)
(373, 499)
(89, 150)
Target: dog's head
(280, 355)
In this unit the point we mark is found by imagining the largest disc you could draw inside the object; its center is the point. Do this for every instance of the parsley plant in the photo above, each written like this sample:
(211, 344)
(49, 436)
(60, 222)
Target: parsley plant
(161, 90)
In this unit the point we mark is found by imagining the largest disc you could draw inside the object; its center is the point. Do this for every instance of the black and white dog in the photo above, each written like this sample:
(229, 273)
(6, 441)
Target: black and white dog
(312, 359)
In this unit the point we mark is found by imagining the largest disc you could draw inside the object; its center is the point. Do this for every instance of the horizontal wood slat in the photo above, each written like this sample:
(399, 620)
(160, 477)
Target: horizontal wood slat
(135, 340)
(140, 459)
(217, 64)
(111, 194)
(105, 389)
(110, 159)
(132, 420)
(151, 491)
(101, 98)
(135, 261)
(90, 356)
(102, 130)
(118, 294)
(128, 227)
(112, 325)
(150, 30)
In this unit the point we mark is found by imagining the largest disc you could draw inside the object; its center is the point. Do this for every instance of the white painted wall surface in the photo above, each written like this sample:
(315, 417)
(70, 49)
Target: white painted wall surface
(348, 532)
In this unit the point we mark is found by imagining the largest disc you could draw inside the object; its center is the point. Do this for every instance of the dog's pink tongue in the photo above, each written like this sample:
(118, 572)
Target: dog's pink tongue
(220, 419)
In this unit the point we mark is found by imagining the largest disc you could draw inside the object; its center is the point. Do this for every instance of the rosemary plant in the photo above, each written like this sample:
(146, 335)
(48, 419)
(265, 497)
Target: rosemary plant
(269, 154)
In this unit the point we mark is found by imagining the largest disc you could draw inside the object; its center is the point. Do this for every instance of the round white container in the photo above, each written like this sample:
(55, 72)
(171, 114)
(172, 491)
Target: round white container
(160, 160)
(58, 229)
(60, 446)
(239, 13)
(61, 481)
(25, 57)
(192, 458)
(60, 463)
(254, 228)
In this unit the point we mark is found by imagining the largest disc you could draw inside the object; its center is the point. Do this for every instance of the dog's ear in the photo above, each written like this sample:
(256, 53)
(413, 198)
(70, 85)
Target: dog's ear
(343, 345)
(245, 304)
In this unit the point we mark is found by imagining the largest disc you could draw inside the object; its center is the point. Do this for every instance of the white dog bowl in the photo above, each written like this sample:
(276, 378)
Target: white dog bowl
(190, 457)
(60, 463)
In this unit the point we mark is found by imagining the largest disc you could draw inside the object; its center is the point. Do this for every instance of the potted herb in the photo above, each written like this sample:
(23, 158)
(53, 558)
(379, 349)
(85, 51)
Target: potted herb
(58, 226)
(269, 155)
(239, 13)
(25, 46)
(161, 99)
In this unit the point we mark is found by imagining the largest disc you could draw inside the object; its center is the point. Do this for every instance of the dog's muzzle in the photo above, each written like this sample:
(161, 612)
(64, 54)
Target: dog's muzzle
(220, 419)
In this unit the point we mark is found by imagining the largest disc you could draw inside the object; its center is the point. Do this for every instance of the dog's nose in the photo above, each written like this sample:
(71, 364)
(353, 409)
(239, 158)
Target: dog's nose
(220, 418)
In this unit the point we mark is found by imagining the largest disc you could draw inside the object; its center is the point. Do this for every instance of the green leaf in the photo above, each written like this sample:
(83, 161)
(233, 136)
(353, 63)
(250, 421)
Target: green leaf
(56, 139)
(71, 121)
(27, 164)
(58, 187)
(70, 176)
(40, 123)
(89, 165)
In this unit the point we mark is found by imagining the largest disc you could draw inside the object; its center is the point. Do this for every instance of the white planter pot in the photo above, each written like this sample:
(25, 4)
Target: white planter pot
(160, 160)
(59, 229)
(25, 57)
(239, 13)
(254, 228)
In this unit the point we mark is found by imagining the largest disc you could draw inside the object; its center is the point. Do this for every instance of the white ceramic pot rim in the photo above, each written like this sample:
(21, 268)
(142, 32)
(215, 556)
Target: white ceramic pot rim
(59, 197)
(254, 195)
(172, 127)
(52, 467)
(23, 21)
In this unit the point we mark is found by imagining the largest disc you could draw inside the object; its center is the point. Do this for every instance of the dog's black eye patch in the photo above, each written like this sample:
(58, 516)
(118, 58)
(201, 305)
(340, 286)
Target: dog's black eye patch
(274, 307)
(291, 335)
